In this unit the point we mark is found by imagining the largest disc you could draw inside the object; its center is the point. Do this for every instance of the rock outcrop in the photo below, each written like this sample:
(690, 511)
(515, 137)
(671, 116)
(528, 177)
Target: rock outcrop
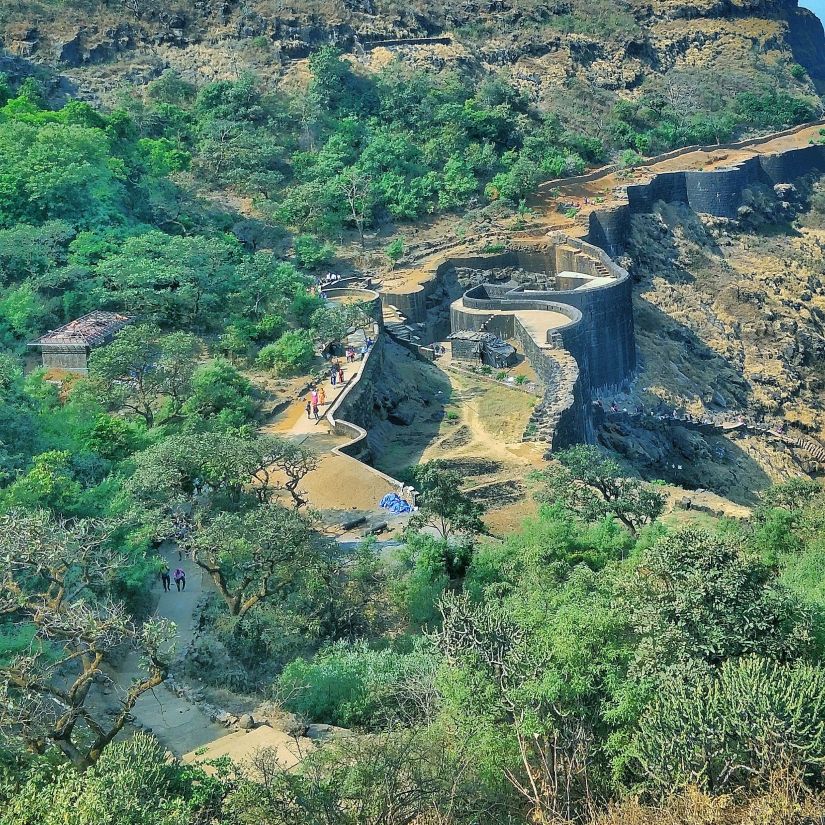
(556, 52)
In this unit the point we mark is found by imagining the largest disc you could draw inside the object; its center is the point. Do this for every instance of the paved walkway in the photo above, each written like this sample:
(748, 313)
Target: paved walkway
(302, 425)
(179, 724)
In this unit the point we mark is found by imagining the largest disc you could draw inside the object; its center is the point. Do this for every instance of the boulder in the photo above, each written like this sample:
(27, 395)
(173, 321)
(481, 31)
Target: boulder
(246, 722)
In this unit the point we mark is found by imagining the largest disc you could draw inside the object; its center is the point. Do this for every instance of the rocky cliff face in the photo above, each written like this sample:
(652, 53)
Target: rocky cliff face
(730, 323)
(557, 51)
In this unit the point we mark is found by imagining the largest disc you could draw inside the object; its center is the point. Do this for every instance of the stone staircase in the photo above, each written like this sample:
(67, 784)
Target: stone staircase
(397, 326)
(810, 446)
(557, 398)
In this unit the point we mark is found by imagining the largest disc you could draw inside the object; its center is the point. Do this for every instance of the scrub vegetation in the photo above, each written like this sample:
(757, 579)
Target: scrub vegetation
(597, 665)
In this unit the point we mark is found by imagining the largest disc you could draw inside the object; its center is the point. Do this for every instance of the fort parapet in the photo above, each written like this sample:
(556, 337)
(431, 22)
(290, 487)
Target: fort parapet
(582, 312)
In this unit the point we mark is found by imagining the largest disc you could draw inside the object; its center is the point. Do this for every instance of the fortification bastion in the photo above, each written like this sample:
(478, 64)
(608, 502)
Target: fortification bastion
(574, 316)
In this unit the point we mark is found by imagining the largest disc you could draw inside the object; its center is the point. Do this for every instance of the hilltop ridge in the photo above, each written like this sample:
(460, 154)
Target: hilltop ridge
(556, 52)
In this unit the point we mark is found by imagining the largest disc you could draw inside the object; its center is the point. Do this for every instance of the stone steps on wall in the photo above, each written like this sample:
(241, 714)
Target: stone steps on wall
(546, 415)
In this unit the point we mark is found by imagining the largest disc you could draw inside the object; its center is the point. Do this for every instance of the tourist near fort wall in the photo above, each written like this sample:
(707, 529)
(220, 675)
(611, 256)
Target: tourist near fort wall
(349, 404)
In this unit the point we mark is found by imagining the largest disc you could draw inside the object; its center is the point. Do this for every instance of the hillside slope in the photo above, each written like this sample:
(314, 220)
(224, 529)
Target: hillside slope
(559, 52)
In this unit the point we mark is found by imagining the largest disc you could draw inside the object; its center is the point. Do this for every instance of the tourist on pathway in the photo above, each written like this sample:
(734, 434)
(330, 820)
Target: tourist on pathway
(322, 397)
(309, 409)
(340, 375)
(164, 578)
(314, 397)
(180, 579)
(315, 410)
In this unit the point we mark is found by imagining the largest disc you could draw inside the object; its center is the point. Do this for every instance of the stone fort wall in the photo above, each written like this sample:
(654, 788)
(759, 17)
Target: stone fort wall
(717, 192)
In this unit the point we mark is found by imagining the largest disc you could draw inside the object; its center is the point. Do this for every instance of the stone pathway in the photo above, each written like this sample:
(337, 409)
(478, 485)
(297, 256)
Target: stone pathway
(180, 725)
(294, 422)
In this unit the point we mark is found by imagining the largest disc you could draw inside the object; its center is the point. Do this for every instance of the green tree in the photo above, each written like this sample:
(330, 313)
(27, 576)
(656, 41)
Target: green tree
(698, 600)
(49, 484)
(172, 280)
(292, 353)
(442, 505)
(56, 171)
(311, 252)
(220, 390)
(145, 371)
(592, 487)
(215, 468)
(257, 555)
(49, 573)
(131, 784)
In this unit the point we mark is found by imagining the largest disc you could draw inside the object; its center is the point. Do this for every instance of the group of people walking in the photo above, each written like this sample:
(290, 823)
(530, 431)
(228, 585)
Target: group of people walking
(316, 398)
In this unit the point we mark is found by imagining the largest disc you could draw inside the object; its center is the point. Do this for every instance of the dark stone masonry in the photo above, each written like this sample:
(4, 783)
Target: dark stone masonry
(578, 279)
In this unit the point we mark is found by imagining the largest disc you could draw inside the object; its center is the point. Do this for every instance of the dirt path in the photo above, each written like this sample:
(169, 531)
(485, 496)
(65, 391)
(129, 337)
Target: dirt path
(339, 482)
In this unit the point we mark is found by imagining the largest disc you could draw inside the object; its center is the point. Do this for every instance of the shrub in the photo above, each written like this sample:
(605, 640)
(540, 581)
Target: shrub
(754, 718)
(312, 253)
(395, 251)
(292, 353)
(352, 685)
(798, 72)
(270, 328)
(219, 389)
(629, 158)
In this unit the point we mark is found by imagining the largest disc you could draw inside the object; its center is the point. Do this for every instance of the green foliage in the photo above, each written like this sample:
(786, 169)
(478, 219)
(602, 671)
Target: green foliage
(395, 251)
(697, 599)
(442, 505)
(355, 686)
(727, 731)
(132, 784)
(592, 486)
(293, 352)
(798, 72)
(220, 395)
(145, 372)
(311, 252)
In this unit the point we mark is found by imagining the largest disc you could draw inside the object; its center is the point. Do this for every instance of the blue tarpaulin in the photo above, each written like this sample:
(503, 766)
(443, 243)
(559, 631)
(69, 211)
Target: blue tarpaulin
(394, 503)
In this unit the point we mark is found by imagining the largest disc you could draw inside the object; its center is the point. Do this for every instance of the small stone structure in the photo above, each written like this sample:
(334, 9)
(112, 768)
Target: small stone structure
(482, 348)
(68, 347)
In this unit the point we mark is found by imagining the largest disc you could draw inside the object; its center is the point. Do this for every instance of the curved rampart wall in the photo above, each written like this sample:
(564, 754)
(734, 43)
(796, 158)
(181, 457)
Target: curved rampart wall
(608, 341)
(370, 299)
(717, 192)
(355, 404)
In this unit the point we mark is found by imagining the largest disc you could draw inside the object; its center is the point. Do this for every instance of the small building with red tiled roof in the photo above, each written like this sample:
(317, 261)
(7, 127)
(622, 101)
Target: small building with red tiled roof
(68, 347)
